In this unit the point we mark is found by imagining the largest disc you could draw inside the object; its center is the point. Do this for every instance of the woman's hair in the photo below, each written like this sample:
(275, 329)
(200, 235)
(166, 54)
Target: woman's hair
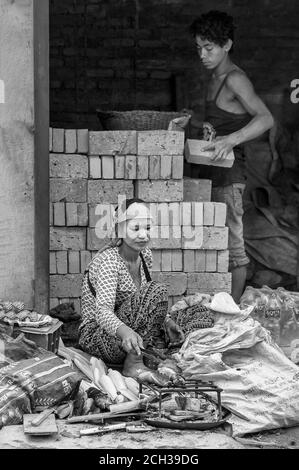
(128, 202)
(215, 26)
(125, 206)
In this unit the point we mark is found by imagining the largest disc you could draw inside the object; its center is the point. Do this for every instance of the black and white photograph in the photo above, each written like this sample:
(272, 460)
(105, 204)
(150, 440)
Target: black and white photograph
(149, 230)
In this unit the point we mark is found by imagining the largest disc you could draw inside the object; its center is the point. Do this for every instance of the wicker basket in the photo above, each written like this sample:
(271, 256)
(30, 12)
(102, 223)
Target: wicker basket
(136, 120)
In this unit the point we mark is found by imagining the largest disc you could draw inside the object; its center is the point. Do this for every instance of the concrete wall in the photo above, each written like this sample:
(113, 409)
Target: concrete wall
(24, 136)
(17, 152)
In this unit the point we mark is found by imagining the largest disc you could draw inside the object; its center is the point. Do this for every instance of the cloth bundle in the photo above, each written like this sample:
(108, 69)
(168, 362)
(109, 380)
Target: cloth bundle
(29, 377)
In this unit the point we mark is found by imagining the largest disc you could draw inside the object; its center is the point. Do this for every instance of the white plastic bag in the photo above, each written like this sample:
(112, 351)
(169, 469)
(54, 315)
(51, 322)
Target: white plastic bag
(257, 379)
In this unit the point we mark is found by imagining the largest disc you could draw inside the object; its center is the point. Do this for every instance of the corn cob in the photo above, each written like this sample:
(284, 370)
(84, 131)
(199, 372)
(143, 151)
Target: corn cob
(117, 379)
(129, 395)
(132, 385)
(103, 381)
(99, 364)
(120, 386)
(83, 368)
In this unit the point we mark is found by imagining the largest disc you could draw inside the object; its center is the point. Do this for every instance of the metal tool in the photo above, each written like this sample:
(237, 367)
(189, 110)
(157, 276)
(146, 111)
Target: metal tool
(42, 416)
(103, 429)
(153, 355)
(101, 417)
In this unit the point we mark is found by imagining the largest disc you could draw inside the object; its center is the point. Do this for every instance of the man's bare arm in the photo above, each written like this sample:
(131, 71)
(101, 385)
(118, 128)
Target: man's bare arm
(261, 121)
(244, 92)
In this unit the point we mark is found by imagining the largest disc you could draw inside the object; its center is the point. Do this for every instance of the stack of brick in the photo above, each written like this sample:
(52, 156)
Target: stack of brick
(90, 171)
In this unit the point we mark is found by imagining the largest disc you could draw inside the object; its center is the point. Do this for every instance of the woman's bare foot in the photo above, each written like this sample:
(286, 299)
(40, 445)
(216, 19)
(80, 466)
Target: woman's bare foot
(133, 365)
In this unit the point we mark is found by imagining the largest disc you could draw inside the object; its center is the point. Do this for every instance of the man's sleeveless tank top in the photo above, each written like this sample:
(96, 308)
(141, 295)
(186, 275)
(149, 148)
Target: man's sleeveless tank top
(225, 123)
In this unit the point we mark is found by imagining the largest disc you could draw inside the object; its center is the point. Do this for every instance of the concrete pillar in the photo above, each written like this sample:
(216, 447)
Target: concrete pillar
(24, 127)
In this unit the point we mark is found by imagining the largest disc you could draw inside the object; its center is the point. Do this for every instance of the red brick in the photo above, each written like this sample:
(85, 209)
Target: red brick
(65, 285)
(52, 262)
(166, 260)
(112, 142)
(157, 254)
(101, 214)
(220, 214)
(208, 213)
(76, 214)
(67, 239)
(82, 140)
(160, 143)
(197, 213)
(68, 190)
(176, 260)
(107, 167)
(167, 238)
(177, 167)
(186, 213)
(222, 261)
(200, 260)
(163, 214)
(154, 167)
(215, 238)
(188, 261)
(58, 140)
(176, 282)
(211, 261)
(142, 167)
(82, 214)
(73, 262)
(119, 167)
(130, 167)
(174, 213)
(95, 167)
(59, 213)
(70, 141)
(160, 190)
(166, 167)
(100, 191)
(208, 283)
(68, 166)
(192, 237)
(61, 262)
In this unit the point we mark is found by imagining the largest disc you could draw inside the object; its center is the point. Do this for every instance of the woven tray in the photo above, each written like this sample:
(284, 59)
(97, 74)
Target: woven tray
(136, 120)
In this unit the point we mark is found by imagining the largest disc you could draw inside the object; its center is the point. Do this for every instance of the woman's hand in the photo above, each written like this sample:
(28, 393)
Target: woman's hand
(174, 333)
(130, 340)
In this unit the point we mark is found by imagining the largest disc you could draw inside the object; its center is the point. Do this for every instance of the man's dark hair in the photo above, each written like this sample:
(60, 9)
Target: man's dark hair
(215, 26)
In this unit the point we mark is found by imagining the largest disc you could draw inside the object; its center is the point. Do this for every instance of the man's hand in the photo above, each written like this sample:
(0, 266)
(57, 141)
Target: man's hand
(130, 340)
(222, 146)
(173, 332)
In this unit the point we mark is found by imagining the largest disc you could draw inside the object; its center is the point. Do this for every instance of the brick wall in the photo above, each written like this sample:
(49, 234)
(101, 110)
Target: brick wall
(89, 170)
(130, 54)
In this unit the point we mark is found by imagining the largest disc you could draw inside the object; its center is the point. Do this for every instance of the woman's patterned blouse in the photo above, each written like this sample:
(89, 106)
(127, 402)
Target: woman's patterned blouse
(113, 284)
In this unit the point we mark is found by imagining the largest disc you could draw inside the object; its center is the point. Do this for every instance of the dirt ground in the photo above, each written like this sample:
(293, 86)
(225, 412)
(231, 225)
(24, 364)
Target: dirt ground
(13, 437)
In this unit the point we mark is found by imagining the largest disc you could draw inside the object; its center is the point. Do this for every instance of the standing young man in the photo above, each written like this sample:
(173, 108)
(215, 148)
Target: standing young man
(235, 115)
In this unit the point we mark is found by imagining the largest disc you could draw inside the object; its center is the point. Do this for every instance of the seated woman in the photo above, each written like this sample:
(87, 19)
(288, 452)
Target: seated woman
(123, 310)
